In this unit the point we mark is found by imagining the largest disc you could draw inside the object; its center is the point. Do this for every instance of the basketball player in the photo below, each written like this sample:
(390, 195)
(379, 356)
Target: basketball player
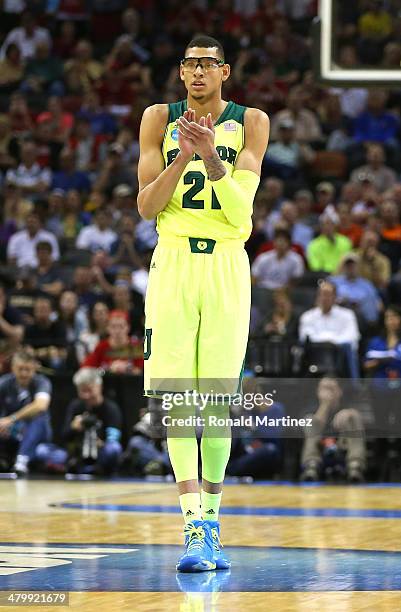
(199, 170)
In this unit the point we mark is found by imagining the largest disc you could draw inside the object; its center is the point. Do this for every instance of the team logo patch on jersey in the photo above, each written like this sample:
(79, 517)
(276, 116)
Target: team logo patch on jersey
(230, 126)
(174, 134)
(202, 245)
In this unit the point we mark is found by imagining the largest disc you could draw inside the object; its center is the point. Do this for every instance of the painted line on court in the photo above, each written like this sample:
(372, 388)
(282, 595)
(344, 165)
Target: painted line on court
(239, 510)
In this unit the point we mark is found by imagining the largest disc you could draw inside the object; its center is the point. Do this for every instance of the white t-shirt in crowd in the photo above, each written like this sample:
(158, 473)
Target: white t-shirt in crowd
(338, 326)
(95, 239)
(273, 272)
(22, 247)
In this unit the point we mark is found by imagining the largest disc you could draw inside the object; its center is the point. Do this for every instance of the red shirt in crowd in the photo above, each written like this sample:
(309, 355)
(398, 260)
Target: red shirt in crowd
(104, 355)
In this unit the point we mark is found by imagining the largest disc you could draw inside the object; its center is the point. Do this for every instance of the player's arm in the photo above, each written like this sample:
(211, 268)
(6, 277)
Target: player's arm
(156, 183)
(235, 193)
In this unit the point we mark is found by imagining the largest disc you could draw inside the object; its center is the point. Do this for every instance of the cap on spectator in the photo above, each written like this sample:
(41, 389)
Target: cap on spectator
(116, 147)
(286, 123)
(122, 191)
(120, 314)
(58, 192)
(325, 186)
(351, 257)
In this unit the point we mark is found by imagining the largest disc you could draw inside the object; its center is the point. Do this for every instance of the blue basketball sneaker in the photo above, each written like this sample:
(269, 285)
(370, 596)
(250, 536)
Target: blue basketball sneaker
(221, 561)
(198, 556)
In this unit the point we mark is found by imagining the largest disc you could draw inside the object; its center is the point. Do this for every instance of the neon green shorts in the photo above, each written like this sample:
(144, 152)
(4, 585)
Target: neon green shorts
(197, 312)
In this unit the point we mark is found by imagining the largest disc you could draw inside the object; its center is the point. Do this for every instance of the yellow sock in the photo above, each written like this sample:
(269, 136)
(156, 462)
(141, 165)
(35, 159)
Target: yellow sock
(210, 505)
(191, 507)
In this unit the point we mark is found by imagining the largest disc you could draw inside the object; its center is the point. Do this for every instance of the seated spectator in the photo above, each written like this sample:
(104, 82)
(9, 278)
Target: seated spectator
(374, 27)
(47, 336)
(306, 125)
(280, 267)
(24, 294)
(68, 177)
(260, 453)
(392, 56)
(130, 301)
(98, 330)
(122, 251)
(47, 147)
(87, 70)
(24, 400)
(74, 218)
(43, 72)
(101, 121)
(21, 250)
(91, 433)
(325, 252)
(383, 365)
(48, 273)
(26, 37)
(390, 233)
(282, 321)
(356, 292)
(72, 316)
(383, 354)
(285, 157)
(328, 322)
(145, 454)
(373, 265)
(21, 120)
(11, 69)
(325, 195)
(9, 145)
(379, 174)
(29, 176)
(345, 429)
(11, 330)
(61, 122)
(65, 42)
(90, 149)
(123, 202)
(83, 286)
(376, 124)
(55, 212)
(97, 236)
(346, 227)
(115, 171)
(303, 200)
(122, 62)
(119, 353)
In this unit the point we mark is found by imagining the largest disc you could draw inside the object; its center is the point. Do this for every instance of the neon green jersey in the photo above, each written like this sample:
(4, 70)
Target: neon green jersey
(194, 209)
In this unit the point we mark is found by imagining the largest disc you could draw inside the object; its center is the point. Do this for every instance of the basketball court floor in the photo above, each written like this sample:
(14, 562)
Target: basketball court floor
(113, 546)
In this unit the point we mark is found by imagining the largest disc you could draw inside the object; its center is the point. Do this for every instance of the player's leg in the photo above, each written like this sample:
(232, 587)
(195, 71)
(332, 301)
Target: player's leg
(172, 322)
(222, 344)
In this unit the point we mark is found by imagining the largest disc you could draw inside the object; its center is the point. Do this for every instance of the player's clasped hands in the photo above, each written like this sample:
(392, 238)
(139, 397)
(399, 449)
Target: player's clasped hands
(199, 136)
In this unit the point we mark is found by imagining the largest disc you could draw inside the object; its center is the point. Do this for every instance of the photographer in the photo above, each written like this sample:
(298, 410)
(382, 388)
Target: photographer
(92, 431)
(93, 425)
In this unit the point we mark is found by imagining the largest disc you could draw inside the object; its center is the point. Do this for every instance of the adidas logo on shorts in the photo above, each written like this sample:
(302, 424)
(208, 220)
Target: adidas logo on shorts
(211, 511)
(189, 513)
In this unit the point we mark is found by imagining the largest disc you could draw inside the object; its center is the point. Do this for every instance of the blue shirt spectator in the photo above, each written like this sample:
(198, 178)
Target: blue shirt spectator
(376, 124)
(357, 292)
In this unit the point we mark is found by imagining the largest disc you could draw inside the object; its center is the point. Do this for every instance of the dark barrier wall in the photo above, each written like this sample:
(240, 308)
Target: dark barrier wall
(124, 389)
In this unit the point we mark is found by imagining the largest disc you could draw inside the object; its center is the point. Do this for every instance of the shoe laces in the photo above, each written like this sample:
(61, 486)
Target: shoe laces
(196, 535)
(216, 539)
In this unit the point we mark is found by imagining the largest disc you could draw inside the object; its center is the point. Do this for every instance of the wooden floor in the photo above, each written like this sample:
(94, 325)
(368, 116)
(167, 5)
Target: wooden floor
(113, 546)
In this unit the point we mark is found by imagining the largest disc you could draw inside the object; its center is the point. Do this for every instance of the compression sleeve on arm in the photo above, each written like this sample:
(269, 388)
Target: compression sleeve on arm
(236, 194)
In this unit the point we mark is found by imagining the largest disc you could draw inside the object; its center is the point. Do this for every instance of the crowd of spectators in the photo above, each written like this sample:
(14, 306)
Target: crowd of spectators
(75, 77)
(369, 31)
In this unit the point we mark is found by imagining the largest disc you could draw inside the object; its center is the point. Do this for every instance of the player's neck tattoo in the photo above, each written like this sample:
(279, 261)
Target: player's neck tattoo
(214, 166)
